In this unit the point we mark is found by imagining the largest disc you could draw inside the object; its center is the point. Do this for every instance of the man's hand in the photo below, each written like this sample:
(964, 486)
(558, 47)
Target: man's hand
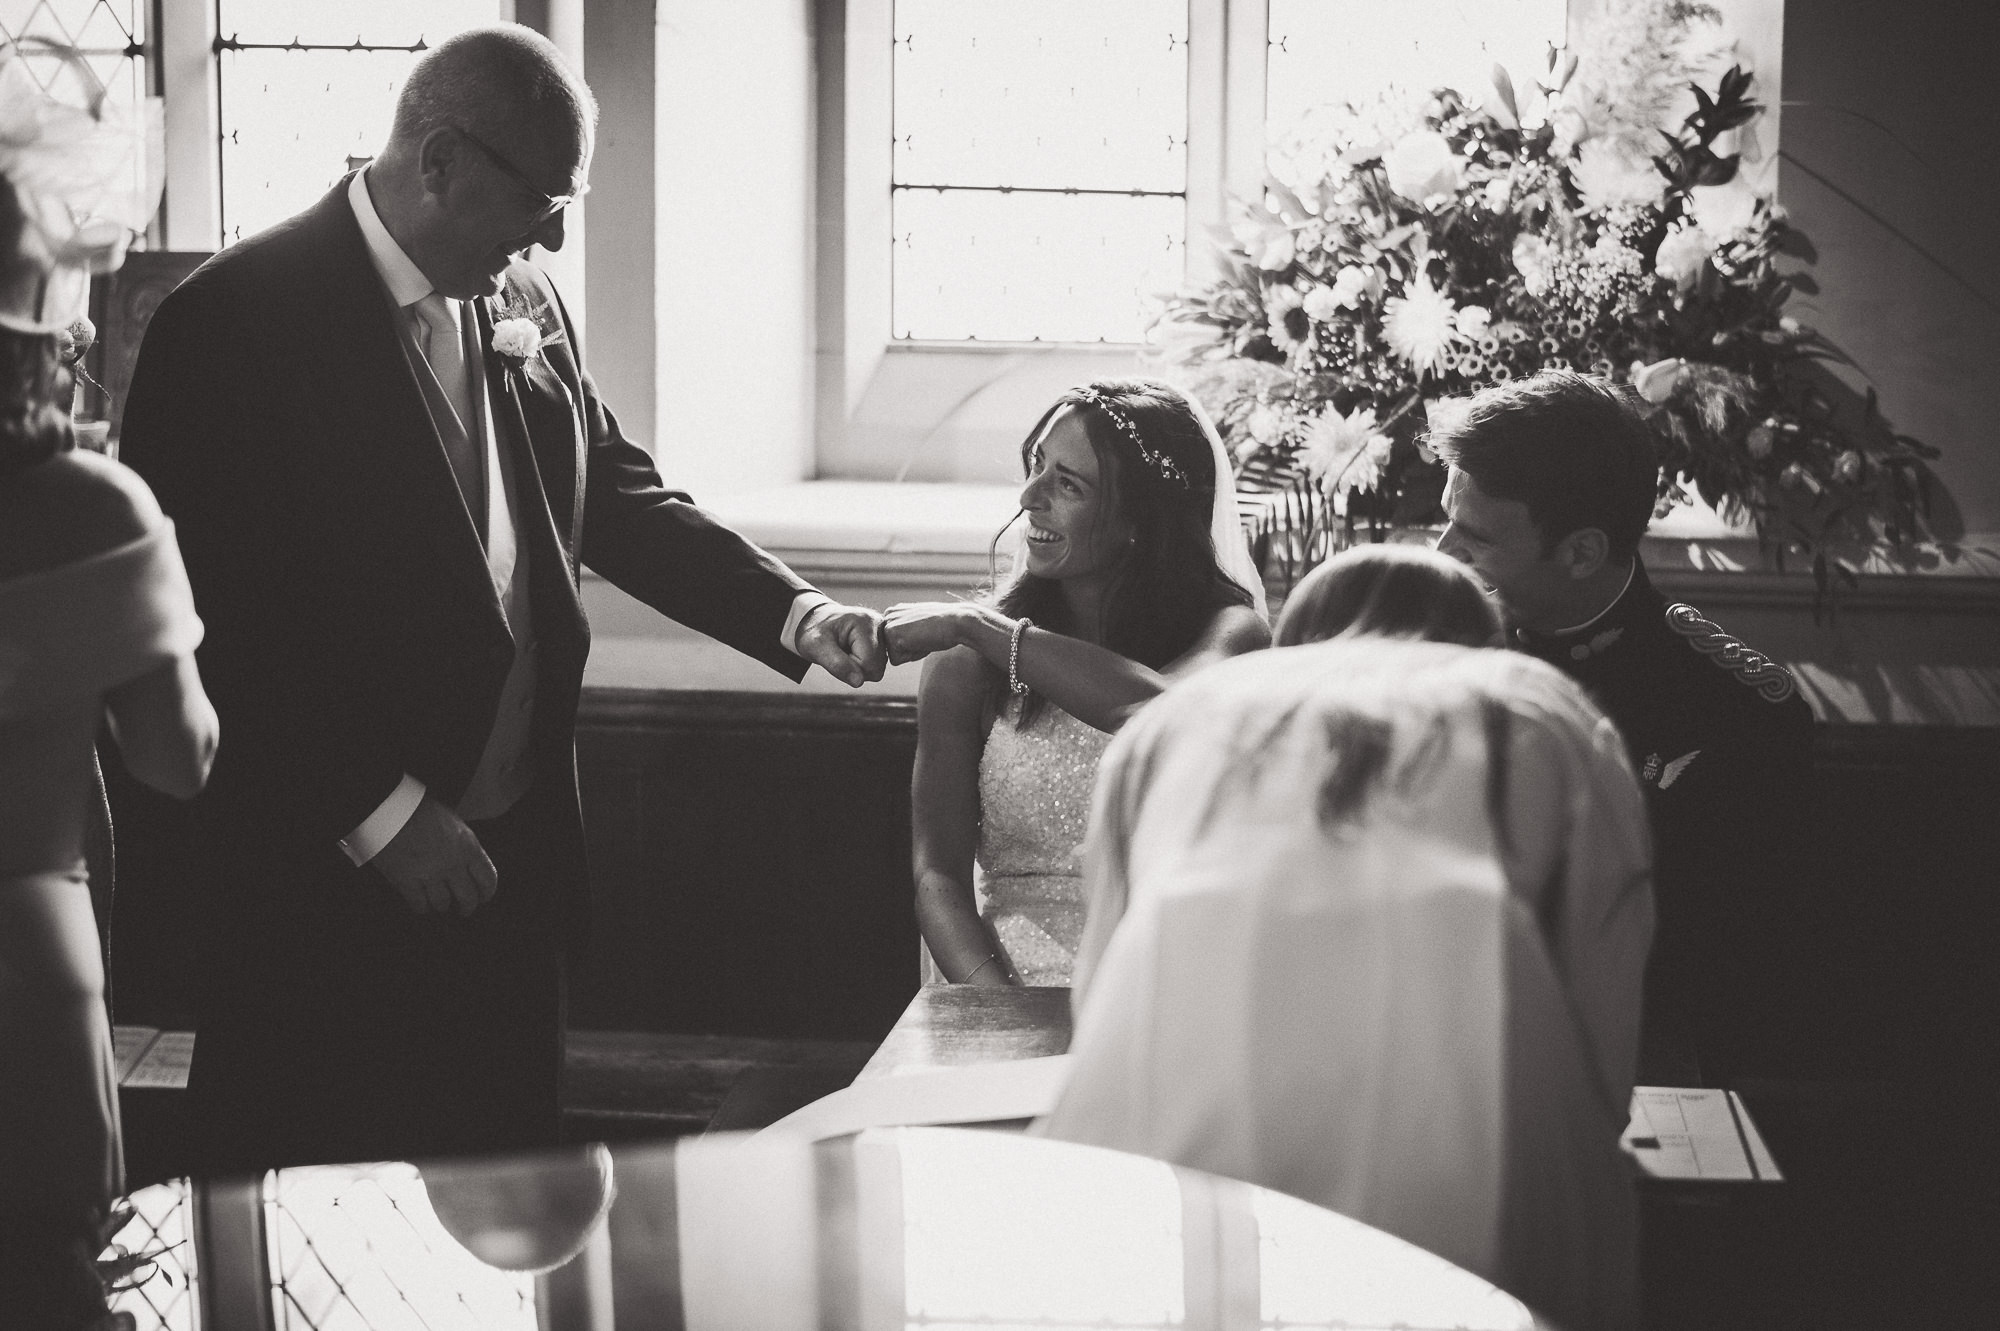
(845, 641)
(436, 863)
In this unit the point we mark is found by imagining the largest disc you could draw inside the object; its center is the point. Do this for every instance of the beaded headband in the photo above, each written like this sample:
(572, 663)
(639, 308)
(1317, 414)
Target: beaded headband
(1165, 467)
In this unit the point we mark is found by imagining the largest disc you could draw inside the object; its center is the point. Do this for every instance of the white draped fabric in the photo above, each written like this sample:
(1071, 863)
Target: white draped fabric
(1426, 1017)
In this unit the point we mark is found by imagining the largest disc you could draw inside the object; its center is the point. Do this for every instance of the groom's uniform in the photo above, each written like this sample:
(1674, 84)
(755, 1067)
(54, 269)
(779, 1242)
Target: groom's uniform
(383, 518)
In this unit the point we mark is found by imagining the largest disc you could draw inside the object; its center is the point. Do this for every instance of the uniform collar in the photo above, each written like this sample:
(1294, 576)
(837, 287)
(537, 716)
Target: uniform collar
(405, 281)
(1602, 631)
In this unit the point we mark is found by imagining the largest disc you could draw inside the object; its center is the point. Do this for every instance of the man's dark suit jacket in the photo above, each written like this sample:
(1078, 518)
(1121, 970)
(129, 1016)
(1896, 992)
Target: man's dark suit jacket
(353, 631)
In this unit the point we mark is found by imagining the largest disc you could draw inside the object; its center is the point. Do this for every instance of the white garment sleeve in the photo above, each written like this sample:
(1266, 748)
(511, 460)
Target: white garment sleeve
(802, 605)
(379, 828)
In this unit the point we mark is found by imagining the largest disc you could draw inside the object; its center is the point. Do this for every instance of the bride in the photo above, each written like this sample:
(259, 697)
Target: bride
(1133, 570)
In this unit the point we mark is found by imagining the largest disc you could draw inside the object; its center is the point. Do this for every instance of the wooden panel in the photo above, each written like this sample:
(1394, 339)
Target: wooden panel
(750, 863)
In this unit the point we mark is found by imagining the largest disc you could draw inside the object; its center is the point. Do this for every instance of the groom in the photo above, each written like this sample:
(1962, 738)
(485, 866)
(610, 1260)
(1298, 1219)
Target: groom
(385, 462)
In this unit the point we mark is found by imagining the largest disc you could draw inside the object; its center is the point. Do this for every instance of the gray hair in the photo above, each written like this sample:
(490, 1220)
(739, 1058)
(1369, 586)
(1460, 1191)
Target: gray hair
(498, 82)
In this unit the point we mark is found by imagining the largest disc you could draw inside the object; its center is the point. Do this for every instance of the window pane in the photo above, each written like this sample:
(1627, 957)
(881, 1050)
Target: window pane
(102, 31)
(291, 120)
(1028, 267)
(358, 1246)
(1352, 50)
(1047, 93)
(374, 22)
(1087, 102)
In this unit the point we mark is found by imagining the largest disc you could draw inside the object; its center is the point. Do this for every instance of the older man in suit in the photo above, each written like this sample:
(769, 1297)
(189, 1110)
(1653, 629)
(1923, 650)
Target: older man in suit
(373, 429)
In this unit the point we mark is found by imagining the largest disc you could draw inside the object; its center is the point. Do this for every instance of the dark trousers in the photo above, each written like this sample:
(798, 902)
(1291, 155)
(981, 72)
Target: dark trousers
(341, 1026)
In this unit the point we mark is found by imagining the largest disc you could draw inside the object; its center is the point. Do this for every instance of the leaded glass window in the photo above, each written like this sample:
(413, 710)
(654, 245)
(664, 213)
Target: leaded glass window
(307, 90)
(1325, 52)
(160, 1296)
(1039, 184)
(109, 35)
(359, 1248)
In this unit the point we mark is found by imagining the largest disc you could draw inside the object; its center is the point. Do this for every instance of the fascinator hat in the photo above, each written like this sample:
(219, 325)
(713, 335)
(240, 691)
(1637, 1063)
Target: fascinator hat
(83, 179)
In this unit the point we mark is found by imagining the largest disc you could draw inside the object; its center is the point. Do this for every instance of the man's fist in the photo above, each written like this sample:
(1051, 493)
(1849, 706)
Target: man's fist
(436, 863)
(845, 641)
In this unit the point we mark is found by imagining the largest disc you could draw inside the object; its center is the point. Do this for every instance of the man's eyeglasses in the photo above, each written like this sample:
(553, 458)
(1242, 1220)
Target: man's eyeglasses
(551, 203)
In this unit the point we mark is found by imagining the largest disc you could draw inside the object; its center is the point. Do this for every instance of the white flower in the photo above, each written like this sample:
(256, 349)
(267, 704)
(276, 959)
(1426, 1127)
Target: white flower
(518, 338)
(1323, 304)
(1723, 210)
(1571, 128)
(1420, 325)
(1279, 303)
(1682, 252)
(1498, 191)
(1350, 284)
(1473, 321)
(1277, 251)
(1265, 424)
(1421, 165)
(1346, 453)
(1656, 382)
(1609, 177)
(1532, 259)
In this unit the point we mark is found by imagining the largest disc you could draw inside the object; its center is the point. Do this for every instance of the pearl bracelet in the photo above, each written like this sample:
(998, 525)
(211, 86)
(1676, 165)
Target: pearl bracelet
(1021, 627)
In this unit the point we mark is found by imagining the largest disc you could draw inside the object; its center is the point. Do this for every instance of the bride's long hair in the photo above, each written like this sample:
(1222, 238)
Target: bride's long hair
(1167, 585)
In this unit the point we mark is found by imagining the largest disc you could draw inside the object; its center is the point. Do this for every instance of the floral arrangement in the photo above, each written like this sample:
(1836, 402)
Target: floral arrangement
(1425, 250)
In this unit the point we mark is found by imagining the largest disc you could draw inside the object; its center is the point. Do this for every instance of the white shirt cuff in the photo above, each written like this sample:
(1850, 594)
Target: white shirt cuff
(379, 828)
(802, 605)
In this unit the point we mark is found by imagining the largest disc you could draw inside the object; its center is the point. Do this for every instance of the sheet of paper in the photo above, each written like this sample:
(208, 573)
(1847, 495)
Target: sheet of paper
(973, 1093)
(128, 1045)
(165, 1065)
(1682, 1132)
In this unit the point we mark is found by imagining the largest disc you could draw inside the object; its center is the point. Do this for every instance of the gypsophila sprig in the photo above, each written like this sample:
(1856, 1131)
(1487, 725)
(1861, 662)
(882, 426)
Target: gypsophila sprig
(1429, 247)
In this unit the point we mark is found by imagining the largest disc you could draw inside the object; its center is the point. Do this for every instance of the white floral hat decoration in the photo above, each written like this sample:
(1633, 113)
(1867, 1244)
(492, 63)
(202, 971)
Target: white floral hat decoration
(85, 180)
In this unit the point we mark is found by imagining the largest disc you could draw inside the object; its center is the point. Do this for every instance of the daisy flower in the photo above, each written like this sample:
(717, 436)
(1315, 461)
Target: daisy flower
(1421, 325)
(1346, 453)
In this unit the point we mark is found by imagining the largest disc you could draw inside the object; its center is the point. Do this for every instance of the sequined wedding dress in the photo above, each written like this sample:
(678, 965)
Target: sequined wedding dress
(1034, 805)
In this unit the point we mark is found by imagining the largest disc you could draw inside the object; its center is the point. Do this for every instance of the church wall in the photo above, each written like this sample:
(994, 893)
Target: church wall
(1888, 167)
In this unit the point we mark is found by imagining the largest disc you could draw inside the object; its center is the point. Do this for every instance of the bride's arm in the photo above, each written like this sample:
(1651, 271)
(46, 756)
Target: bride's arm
(944, 813)
(1094, 684)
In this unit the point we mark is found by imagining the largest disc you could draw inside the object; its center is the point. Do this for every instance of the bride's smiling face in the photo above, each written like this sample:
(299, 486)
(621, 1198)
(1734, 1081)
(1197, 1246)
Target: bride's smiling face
(1074, 529)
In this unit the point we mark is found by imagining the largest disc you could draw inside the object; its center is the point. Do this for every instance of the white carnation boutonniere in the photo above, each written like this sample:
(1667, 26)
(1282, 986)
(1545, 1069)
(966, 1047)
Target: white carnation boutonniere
(517, 339)
(522, 332)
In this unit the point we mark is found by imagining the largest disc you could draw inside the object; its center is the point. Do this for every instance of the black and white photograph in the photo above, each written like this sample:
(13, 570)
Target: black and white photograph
(1228, 665)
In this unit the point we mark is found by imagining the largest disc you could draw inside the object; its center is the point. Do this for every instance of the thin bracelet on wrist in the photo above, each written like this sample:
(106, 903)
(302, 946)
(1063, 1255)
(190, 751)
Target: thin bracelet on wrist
(991, 957)
(1021, 627)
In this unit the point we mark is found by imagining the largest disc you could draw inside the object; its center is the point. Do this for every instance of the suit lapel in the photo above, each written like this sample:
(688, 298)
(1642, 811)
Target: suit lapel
(364, 338)
(546, 456)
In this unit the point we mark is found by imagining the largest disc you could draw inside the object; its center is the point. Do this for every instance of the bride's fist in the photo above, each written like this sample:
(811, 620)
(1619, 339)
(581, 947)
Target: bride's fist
(916, 629)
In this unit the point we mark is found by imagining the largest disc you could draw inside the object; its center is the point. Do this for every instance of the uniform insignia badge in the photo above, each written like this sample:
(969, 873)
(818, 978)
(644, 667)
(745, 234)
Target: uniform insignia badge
(1672, 771)
(1772, 681)
(1651, 771)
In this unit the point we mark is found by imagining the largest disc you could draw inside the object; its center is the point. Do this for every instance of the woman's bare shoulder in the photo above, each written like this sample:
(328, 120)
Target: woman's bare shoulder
(75, 505)
(954, 682)
(1238, 628)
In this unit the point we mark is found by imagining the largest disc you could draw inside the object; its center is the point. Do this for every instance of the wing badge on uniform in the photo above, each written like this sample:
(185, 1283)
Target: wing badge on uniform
(1772, 681)
(1672, 771)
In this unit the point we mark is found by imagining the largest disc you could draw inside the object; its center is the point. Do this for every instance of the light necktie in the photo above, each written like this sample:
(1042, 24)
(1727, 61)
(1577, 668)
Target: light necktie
(443, 346)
